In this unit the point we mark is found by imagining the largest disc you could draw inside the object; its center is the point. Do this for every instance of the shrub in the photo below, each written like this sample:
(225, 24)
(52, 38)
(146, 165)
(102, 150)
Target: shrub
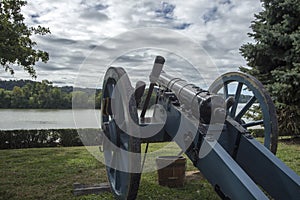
(16, 139)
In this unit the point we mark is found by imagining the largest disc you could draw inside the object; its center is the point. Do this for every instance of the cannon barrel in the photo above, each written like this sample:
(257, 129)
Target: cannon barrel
(206, 107)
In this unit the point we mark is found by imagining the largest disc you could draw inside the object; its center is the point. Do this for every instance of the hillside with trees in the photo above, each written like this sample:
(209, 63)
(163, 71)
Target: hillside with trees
(43, 95)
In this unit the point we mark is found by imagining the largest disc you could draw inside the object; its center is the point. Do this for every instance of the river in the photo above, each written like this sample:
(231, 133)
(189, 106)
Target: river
(15, 119)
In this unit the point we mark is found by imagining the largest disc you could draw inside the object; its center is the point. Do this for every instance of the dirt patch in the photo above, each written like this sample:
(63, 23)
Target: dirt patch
(193, 175)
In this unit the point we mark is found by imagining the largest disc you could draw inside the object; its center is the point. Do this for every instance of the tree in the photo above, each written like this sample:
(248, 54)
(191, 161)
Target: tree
(274, 58)
(18, 99)
(56, 98)
(98, 100)
(5, 98)
(80, 99)
(43, 91)
(16, 47)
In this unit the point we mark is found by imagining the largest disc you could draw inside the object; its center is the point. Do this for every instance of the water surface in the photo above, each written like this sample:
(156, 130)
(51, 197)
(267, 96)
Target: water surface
(14, 119)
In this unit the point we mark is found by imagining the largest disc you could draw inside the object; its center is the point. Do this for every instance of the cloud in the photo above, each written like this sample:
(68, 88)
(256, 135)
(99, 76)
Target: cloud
(81, 28)
(92, 14)
(50, 68)
(211, 14)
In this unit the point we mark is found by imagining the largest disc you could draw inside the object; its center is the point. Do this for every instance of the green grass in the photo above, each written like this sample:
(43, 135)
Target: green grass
(49, 173)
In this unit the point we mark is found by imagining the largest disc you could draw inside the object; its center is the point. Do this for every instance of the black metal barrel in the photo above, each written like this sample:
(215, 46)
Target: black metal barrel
(206, 107)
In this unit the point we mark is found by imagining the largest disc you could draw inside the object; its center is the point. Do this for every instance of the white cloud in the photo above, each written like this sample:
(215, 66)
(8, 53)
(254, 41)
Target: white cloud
(220, 26)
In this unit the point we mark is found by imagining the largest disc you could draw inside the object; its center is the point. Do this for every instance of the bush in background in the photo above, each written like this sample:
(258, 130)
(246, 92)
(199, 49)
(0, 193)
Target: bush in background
(17, 139)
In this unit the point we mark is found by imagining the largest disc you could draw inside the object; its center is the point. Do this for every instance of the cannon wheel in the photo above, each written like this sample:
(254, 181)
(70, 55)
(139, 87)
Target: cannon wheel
(259, 95)
(121, 166)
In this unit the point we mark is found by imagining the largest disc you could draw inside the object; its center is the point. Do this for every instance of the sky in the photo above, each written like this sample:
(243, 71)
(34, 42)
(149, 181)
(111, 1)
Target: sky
(200, 39)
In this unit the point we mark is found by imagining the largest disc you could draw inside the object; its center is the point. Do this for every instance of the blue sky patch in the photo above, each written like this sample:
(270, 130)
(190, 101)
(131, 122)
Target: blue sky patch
(166, 11)
(34, 18)
(182, 26)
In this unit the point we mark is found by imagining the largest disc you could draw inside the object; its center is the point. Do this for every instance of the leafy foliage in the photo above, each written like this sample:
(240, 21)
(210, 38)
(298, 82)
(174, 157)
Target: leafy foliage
(274, 58)
(16, 46)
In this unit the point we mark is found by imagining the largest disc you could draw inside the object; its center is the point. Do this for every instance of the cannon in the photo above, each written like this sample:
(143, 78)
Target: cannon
(208, 125)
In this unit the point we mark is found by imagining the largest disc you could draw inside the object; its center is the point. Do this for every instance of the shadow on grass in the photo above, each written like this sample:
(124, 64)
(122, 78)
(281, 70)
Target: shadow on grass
(291, 140)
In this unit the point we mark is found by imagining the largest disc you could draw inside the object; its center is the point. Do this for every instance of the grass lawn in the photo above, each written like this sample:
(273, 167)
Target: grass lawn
(49, 173)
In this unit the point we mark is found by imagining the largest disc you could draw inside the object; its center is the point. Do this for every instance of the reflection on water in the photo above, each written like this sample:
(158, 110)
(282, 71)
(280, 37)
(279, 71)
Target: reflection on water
(12, 119)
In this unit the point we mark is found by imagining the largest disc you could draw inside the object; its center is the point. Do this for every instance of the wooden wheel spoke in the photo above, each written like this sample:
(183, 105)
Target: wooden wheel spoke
(113, 160)
(113, 132)
(110, 89)
(245, 108)
(254, 123)
(225, 90)
(117, 180)
(236, 97)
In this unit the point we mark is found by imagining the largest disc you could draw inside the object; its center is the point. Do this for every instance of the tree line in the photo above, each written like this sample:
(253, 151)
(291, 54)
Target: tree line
(43, 95)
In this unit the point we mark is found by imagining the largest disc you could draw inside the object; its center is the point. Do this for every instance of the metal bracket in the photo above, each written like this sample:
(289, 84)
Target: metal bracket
(237, 126)
(241, 131)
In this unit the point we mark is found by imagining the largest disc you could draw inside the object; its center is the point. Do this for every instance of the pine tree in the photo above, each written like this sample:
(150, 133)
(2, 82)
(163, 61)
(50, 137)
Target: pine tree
(274, 58)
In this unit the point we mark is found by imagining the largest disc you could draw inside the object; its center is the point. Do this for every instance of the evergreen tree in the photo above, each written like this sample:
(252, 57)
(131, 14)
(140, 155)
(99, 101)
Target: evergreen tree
(274, 58)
